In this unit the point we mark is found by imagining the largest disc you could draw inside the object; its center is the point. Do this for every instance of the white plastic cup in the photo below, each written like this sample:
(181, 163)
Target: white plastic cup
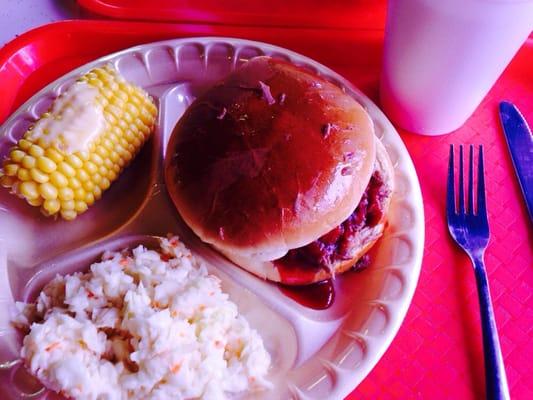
(441, 57)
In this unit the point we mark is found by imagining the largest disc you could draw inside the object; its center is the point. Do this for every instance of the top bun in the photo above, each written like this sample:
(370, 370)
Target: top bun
(269, 160)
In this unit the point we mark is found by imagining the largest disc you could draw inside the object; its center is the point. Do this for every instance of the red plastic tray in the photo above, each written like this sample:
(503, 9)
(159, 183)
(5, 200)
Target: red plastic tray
(313, 13)
(437, 353)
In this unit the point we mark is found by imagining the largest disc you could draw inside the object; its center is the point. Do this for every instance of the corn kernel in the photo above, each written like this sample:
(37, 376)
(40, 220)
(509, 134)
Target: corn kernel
(24, 144)
(36, 151)
(108, 164)
(97, 178)
(128, 118)
(80, 206)
(89, 199)
(114, 157)
(54, 155)
(102, 170)
(115, 111)
(48, 191)
(90, 167)
(23, 174)
(102, 152)
(28, 162)
(128, 89)
(108, 144)
(128, 156)
(116, 132)
(37, 202)
(66, 169)
(104, 183)
(82, 175)
(146, 116)
(29, 190)
(130, 136)
(51, 206)
(102, 74)
(74, 161)
(111, 120)
(66, 194)
(68, 215)
(123, 143)
(39, 176)
(11, 169)
(83, 155)
(67, 205)
(136, 100)
(112, 175)
(88, 185)
(137, 143)
(96, 159)
(6, 181)
(74, 183)
(118, 102)
(97, 192)
(46, 164)
(107, 93)
(122, 95)
(79, 194)
(113, 138)
(113, 86)
(99, 84)
(91, 147)
(132, 110)
(123, 125)
(41, 142)
(17, 155)
(58, 179)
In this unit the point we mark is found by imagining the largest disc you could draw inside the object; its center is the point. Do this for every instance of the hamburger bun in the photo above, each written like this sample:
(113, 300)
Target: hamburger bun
(269, 160)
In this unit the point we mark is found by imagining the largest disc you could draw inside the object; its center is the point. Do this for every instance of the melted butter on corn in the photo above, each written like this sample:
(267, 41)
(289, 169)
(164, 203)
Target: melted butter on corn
(75, 119)
(80, 146)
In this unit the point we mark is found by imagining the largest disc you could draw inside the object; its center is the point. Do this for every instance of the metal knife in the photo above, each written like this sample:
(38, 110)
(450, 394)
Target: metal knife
(520, 142)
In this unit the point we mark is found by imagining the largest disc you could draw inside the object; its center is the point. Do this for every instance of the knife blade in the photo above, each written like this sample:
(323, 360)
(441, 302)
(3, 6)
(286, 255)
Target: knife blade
(520, 143)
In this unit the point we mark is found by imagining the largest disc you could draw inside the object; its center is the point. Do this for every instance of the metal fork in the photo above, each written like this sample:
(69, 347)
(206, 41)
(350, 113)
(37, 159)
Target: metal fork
(470, 229)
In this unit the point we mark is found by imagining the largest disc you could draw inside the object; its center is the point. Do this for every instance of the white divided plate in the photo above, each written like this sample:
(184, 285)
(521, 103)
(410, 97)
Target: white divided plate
(316, 354)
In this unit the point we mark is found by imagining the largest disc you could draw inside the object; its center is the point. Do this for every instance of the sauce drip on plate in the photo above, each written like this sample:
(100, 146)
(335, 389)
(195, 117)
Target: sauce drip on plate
(318, 296)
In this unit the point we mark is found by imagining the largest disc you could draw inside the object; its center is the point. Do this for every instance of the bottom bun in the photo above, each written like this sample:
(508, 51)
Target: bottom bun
(366, 237)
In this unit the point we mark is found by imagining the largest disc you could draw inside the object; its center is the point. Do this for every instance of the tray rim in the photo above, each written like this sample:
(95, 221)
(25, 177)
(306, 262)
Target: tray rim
(365, 20)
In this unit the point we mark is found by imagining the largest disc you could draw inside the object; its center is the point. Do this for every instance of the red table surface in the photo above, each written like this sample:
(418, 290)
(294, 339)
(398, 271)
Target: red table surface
(437, 353)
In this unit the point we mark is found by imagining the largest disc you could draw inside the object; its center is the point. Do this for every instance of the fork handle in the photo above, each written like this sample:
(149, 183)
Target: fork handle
(495, 379)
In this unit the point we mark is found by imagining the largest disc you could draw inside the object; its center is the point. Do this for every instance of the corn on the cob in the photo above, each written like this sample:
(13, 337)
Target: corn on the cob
(81, 145)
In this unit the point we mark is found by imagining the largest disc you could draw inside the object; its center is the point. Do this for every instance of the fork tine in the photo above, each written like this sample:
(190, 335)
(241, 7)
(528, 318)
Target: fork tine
(471, 181)
(461, 183)
(450, 192)
(481, 202)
